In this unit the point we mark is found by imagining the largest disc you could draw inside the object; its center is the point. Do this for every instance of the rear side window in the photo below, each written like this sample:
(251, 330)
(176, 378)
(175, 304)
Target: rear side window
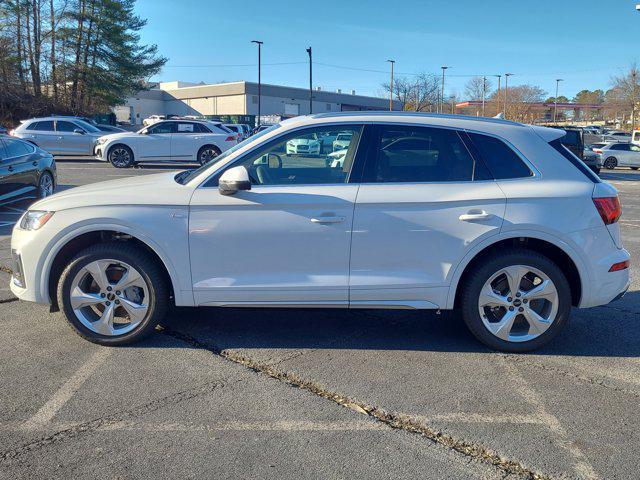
(620, 146)
(422, 154)
(43, 126)
(17, 148)
(579, 164)
(500, 159)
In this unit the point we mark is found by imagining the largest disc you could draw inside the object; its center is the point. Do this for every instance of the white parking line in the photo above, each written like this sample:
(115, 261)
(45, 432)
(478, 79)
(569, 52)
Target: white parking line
(64, 393)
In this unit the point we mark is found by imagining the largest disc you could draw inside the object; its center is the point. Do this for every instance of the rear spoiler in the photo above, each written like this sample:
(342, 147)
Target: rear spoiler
(548, 134)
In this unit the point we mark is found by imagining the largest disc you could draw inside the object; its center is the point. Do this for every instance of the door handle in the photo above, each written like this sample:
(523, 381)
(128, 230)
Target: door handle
(472, 215)
(35, 164)
(328, 220)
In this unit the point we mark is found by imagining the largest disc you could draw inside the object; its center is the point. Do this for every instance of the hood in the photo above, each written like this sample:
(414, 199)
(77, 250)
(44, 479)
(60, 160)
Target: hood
(155, 189)
(303, 141)
(110, 136)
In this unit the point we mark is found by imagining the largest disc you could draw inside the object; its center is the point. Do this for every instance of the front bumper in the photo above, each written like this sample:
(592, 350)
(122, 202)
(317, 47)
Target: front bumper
(99, 152)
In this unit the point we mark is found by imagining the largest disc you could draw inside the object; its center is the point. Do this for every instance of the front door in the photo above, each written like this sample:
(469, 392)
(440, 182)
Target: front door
(156, 143)
(422, 202)
(284, 242)
(71, 141)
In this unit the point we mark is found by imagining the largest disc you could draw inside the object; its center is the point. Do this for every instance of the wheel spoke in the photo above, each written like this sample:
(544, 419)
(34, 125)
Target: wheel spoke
(545, 290)
(98, 271)
(489, 298)
(502, 329)
(514, 276)
(136, 311)
(81, 299)
(131, 278)
(537, 324)
(104, 325)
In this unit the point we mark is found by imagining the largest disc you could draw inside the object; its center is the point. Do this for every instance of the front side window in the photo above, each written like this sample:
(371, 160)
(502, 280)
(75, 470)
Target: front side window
(499, 158)
(298, 159)
(162, 127)
(422, 154)
(66, 126)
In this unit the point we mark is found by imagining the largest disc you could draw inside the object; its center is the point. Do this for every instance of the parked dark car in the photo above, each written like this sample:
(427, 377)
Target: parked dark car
(3, 130)
(574, 141)
(103, 127)
(25, 170)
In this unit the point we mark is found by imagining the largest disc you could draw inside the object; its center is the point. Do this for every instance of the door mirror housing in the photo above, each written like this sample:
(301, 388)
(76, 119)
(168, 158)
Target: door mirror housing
(234, 180)
(78, 131)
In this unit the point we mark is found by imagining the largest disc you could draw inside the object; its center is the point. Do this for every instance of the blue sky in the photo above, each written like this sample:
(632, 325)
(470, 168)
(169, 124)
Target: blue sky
(584, 42)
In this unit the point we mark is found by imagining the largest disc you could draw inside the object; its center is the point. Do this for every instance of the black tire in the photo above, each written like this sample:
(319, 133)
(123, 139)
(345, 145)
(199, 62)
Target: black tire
(45, 178)
(634, 168)
(610, 163)
(205, 148)
(473, 283)
(141, 261)
(117, 161)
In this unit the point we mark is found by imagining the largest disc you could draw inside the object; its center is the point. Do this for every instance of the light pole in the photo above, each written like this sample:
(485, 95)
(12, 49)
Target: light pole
(498, 94)
(506, 93)
(634, 100)
(259, 43)
(310, 81)
(484, 92)
(555, 102)
(391, 86)
(442, 90)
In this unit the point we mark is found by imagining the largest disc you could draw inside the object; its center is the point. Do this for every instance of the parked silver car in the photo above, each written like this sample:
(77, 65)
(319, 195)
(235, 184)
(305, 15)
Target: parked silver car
(619, 155)
(59, 135)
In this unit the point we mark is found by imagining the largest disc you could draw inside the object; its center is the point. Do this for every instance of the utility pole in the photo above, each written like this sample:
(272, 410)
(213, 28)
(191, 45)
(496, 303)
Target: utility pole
(498, 94)
(442, 90)
(484, 92)
(310, 81)
(506, 93)
(391, 86)
(555, 103)
(634, 98)
(259, 43)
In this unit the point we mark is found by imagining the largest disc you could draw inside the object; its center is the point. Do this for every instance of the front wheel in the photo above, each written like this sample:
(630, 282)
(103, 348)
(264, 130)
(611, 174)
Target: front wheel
(120, 156)
(634, 168)
(517, 301)
(610, 163)
(113, 293)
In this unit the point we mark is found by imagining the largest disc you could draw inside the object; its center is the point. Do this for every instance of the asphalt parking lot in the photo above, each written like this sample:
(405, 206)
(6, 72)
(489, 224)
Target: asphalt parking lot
(251, 393)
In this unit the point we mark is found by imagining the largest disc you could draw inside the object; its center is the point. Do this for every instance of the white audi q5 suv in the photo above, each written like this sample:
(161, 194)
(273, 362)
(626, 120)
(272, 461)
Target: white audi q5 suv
(493, 218)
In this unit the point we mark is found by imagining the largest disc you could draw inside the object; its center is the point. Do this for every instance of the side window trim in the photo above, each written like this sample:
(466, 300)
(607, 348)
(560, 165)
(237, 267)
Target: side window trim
(212, 181)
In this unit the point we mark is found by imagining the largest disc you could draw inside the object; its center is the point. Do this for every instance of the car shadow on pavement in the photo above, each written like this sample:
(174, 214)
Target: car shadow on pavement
(612, 330)
(620, 175)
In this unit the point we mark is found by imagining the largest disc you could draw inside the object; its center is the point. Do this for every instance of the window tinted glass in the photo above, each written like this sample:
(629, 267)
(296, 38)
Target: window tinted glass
(620, 146)
(16, 148)
(300, 158)
(62, 126)
(45, 126)
(184, 127)
(579, 164)
(499, 158)
(233, 128)
(572, 137)
(420, 154)
(162, 127)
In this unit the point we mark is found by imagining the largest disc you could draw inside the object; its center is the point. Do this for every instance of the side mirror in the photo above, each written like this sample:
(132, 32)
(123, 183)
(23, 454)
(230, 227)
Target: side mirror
(234, 180)
(78, 131)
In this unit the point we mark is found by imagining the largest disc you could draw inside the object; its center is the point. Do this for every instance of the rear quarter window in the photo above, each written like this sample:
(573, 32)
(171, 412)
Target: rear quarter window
(500, 159)
(575, 161)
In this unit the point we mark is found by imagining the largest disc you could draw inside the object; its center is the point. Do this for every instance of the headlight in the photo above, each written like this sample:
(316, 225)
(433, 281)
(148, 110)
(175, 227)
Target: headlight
(101, 140)
(35, 219)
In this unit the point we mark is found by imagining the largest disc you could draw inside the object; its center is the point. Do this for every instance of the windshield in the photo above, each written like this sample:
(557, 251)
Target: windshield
(188, 175)
(87, 126)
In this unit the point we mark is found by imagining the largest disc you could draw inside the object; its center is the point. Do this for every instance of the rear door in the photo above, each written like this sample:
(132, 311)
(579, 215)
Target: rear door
(21, 166)
(423, 202)
(43, 134)
(71, 142)
(186, 140)
(6, 174)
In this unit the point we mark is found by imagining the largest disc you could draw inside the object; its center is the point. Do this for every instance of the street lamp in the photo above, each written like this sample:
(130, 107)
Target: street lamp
(391, 86)
(506, 93)
(259, 43)
(484, 92)
(442, 90)
(310, 82)
(555, 103)
(499, 77)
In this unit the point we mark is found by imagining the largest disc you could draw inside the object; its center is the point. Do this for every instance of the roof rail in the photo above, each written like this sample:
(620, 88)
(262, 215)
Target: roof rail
(375, 113)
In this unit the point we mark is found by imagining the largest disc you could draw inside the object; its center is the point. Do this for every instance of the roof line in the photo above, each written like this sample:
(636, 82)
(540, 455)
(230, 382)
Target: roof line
(415, 114)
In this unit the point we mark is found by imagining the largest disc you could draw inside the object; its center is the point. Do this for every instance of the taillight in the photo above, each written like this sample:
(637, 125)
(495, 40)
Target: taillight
(616, 267)
(609, 209)
(11, 132)
(230, 138)
(597, 150)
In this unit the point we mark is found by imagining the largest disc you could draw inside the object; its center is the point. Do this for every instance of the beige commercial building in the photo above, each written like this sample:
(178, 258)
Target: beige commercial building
(238, 102)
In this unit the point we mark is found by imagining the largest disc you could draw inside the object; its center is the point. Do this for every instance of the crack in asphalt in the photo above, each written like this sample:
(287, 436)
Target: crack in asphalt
(111, 420)
(391, 419)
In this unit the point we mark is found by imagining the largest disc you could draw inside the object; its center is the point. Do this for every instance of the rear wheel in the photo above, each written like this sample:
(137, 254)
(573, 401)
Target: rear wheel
(113, 294)
(610, 163)
(207, 154)
(45, 185)
(516, 301)
(120, 156)
(634, 168)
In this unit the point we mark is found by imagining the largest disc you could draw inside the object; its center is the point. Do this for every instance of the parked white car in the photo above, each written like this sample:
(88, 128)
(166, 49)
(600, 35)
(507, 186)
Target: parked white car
(59, 135)
(168, 140)
(150, 120)
(614, 155)
(425, 212)
(305, 145)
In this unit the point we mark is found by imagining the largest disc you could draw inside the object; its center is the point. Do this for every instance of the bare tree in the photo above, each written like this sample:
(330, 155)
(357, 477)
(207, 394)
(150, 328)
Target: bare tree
(418, 93)
(623, 96)
(478, 88)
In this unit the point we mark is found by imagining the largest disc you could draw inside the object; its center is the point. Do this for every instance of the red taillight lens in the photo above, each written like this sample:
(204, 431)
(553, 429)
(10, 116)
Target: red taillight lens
(619, 266)
(230, 138)
(597, 150)
(609, 209)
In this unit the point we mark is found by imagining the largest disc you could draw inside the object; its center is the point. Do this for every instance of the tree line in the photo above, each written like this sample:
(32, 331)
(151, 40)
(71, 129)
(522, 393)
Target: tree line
(70, 56)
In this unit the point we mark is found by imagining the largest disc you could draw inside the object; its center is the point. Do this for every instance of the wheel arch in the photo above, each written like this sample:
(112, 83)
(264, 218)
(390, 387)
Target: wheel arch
(71, 244)
(559, 253)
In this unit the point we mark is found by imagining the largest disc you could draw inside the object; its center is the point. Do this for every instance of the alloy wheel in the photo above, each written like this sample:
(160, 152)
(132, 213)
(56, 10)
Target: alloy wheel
(120, 157)
(109, 297)
(518, 303)
(46, 185)
(207, 155)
